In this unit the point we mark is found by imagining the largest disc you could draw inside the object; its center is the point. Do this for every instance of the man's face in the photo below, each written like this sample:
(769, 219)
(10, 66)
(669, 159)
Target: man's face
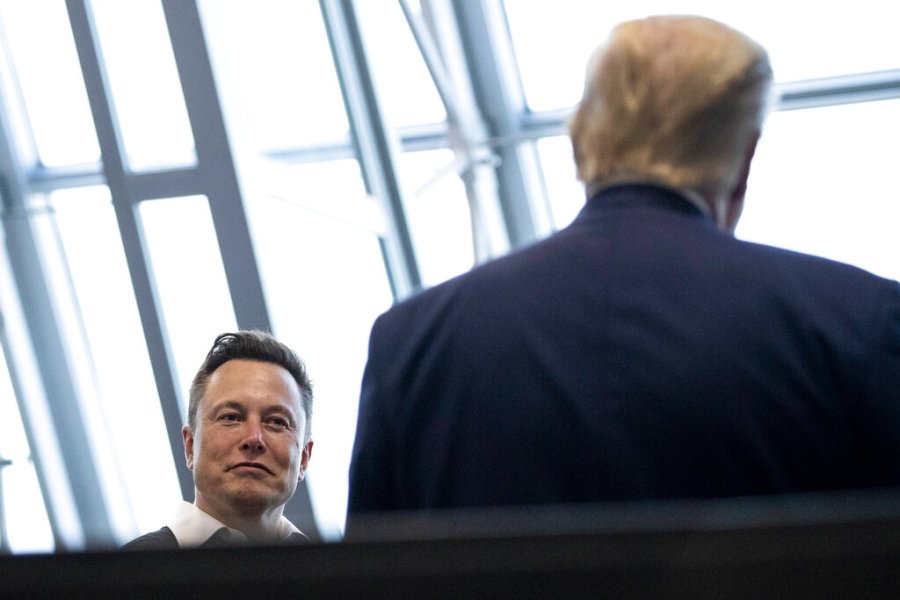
(247, 451)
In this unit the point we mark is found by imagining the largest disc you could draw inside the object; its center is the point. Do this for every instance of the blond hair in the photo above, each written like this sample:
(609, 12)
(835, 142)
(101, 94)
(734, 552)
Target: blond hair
(675, 99)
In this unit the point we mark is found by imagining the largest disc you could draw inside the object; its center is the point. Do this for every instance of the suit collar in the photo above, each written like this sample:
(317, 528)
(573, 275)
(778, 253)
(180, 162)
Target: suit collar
(638, 196)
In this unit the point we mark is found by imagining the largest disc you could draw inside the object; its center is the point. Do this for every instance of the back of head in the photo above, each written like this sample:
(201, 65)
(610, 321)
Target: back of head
(672, 99)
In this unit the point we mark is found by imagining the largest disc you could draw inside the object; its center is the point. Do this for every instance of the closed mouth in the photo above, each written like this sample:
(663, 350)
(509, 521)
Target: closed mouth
(251, 465)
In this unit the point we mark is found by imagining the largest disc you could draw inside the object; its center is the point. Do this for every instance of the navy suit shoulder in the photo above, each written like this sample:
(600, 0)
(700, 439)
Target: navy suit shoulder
(638, 353)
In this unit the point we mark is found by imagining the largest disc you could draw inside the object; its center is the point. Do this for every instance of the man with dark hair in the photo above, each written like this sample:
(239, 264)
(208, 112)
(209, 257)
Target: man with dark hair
(247, 442)
(643, 351)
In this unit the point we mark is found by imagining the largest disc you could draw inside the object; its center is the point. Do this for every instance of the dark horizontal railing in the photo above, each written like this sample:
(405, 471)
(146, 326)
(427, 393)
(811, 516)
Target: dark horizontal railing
(843, 545)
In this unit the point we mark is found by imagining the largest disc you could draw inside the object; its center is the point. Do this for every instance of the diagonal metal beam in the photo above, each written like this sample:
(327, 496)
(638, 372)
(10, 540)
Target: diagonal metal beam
(131, 232)
(376, 145)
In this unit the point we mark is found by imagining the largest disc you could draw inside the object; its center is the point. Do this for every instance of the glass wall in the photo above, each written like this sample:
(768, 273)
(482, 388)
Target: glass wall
(23, 515)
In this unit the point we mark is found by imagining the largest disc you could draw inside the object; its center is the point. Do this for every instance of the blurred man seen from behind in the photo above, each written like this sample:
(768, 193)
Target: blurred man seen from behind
(641, 352)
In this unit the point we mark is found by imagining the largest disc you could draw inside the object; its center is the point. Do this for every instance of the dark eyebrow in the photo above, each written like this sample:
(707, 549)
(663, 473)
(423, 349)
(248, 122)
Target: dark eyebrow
(232, 404)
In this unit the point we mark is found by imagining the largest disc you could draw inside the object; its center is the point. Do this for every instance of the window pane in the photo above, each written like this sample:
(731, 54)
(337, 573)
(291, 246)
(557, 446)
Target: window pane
(275, 74)
(190, 280)
(565, 192)
(70, 321)
(144, 83)
(46, 66)
(12, 436)
(408, 95)
(325, 281)
(852, 213)
(31, 408)
(131, 413)
(22, 510)
(26, 518)
(806, 39)
(438, 215)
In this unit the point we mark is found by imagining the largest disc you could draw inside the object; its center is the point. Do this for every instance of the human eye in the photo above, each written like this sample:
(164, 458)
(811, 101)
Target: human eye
(229, 417)
(279, 423)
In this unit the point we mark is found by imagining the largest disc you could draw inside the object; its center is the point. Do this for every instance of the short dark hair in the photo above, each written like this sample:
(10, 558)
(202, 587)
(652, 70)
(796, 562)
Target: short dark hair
(250, 344)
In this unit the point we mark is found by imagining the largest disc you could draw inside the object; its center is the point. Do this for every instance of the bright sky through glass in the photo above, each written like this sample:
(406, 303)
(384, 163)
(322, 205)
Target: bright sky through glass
(23, 517)
(276, 76)
(125, 390)
(806, 39)
(141, 73)
(408, 95)
(823, 182)
(46, 66)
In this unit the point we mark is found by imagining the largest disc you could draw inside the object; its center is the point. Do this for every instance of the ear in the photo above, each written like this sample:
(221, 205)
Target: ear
(305, 455)
(735, 203)
(188, 439)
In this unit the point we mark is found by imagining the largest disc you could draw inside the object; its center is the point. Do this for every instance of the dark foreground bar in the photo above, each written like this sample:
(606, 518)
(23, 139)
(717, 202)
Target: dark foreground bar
(823, 546)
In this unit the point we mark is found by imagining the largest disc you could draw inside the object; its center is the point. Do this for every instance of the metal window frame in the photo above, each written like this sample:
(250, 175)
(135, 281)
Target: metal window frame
(375, 145)
(65, 465)
(53, 473)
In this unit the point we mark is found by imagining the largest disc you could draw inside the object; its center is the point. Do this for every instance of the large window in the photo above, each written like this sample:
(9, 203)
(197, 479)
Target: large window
(805, 39)
(108, 356)
(175, 169)
(149, 107)
(822, 182)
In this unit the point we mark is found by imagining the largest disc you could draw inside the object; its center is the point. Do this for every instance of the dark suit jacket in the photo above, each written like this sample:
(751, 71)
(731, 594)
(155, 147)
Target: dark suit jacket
(638, 353)
(164, 539)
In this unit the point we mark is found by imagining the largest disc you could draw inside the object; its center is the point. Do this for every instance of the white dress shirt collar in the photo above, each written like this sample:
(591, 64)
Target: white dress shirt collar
(192, 526)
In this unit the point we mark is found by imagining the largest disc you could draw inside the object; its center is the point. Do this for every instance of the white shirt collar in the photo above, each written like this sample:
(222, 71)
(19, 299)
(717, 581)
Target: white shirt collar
(192, 526)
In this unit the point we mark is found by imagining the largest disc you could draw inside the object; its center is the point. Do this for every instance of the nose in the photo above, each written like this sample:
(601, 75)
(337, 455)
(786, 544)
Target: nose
(253, 439)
